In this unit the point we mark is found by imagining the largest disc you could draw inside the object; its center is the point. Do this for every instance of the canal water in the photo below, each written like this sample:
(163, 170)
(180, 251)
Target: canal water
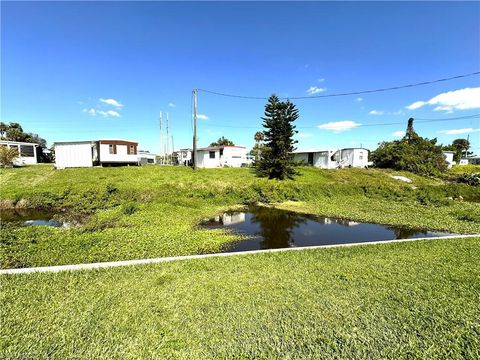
(270, 228)
(30, 217)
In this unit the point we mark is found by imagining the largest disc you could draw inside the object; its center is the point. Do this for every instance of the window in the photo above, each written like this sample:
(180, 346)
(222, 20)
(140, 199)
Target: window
(212, 154)
(132, 150)
(110, 149)
(221, 152)
(27, 151)
(361, 157)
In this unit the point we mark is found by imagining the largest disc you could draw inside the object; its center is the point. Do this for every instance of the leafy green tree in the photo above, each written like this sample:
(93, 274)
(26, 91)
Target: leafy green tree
(257, 148)
(412, 153)
(222, 142)
(460, 147)
(276, 161)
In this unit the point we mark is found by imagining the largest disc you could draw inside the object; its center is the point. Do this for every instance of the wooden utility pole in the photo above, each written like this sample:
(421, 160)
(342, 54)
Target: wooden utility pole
(167, 142)
(194, 154)
(161, 140)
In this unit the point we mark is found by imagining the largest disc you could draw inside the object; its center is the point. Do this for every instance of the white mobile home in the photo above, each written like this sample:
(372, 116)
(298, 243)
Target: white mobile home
(332, 159)
(472, 160)
(94, 153)
(221, 156)
(145, 157)
(183, 157)
(27, 152)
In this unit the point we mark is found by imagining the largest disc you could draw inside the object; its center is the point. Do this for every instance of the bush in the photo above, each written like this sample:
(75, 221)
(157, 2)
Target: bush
(412, 153)
(472, 179)
(7, 156)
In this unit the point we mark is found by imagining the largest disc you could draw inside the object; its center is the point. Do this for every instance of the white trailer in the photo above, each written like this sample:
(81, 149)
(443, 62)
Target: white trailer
(27, 152)
(70, 154)
(332, 159)
(221, 156)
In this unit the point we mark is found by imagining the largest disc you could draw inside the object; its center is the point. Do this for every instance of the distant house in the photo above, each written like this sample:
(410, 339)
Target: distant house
(221, 156)
(449, 158)
(145, 157)
(183, 157)
(106, 152)
(332, 159)
(472, 160)
(27, 152)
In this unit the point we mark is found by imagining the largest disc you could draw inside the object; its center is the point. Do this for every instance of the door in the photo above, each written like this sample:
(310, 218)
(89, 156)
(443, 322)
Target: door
(310, 159)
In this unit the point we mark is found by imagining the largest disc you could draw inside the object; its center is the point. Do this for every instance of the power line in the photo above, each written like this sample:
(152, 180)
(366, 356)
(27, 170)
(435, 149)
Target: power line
(345, 93)
(419, 120)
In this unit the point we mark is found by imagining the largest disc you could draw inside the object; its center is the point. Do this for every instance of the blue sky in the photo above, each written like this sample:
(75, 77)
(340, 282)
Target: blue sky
(76, 71)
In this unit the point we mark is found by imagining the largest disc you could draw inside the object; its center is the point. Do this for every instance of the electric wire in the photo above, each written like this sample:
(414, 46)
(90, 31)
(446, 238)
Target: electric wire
(345, 93)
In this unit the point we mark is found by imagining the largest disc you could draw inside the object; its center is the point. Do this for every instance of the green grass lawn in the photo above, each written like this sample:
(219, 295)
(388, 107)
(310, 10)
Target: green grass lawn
(403, 300)
(152, 211)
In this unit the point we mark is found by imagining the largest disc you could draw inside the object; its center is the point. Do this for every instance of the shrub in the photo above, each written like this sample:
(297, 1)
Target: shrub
(472, 179)
(7, 156)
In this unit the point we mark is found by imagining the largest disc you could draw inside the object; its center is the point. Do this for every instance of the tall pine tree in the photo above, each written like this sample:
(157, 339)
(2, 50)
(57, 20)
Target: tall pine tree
(276, 161)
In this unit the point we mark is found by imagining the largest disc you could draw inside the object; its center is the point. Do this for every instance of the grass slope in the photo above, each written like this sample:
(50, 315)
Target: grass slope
(404, 300)
(151, 211)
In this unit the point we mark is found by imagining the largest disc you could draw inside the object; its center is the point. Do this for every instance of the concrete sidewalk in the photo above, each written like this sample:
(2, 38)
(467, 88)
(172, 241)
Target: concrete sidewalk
(191, 257)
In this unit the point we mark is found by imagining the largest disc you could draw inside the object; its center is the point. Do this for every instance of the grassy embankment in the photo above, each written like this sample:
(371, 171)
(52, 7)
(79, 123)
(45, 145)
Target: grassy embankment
(143, 212)
(404, 300)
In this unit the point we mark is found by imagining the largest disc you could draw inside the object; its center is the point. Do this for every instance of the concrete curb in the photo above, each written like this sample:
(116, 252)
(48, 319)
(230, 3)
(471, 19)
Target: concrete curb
(191, 257)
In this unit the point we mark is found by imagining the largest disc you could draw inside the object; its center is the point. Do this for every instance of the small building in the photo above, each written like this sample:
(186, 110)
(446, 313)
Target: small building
(145, 157)
(332, 159)
(221, 156)
(106, 152)
(449, 158)
(471, 160)
(27, 152)
(183, 157)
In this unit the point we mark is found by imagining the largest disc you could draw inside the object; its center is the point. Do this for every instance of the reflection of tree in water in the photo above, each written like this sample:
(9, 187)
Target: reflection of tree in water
(402, 232)
(276, 226)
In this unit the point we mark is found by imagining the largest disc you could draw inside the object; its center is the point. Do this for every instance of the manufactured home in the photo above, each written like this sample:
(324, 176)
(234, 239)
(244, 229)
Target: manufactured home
(27, 152)
(332, 159)
(183, 157)
(472, 160)
(146, 157)
(106, 152)
(221, 156)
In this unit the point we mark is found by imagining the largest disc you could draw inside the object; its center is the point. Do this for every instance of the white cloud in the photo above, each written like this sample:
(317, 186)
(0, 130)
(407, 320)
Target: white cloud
(462, 99)
(202, 117)
(95, 112)
(458, 131)
(171, 105)
(359, 99)
(315, 90)
(416, 105)
(399, 133)
(321, 80)
(339, 126)
(112, 102)
(376, 112)
(304, 135)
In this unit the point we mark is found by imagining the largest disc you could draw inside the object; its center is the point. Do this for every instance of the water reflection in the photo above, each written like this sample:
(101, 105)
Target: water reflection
(30, 217)
(270, 228)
